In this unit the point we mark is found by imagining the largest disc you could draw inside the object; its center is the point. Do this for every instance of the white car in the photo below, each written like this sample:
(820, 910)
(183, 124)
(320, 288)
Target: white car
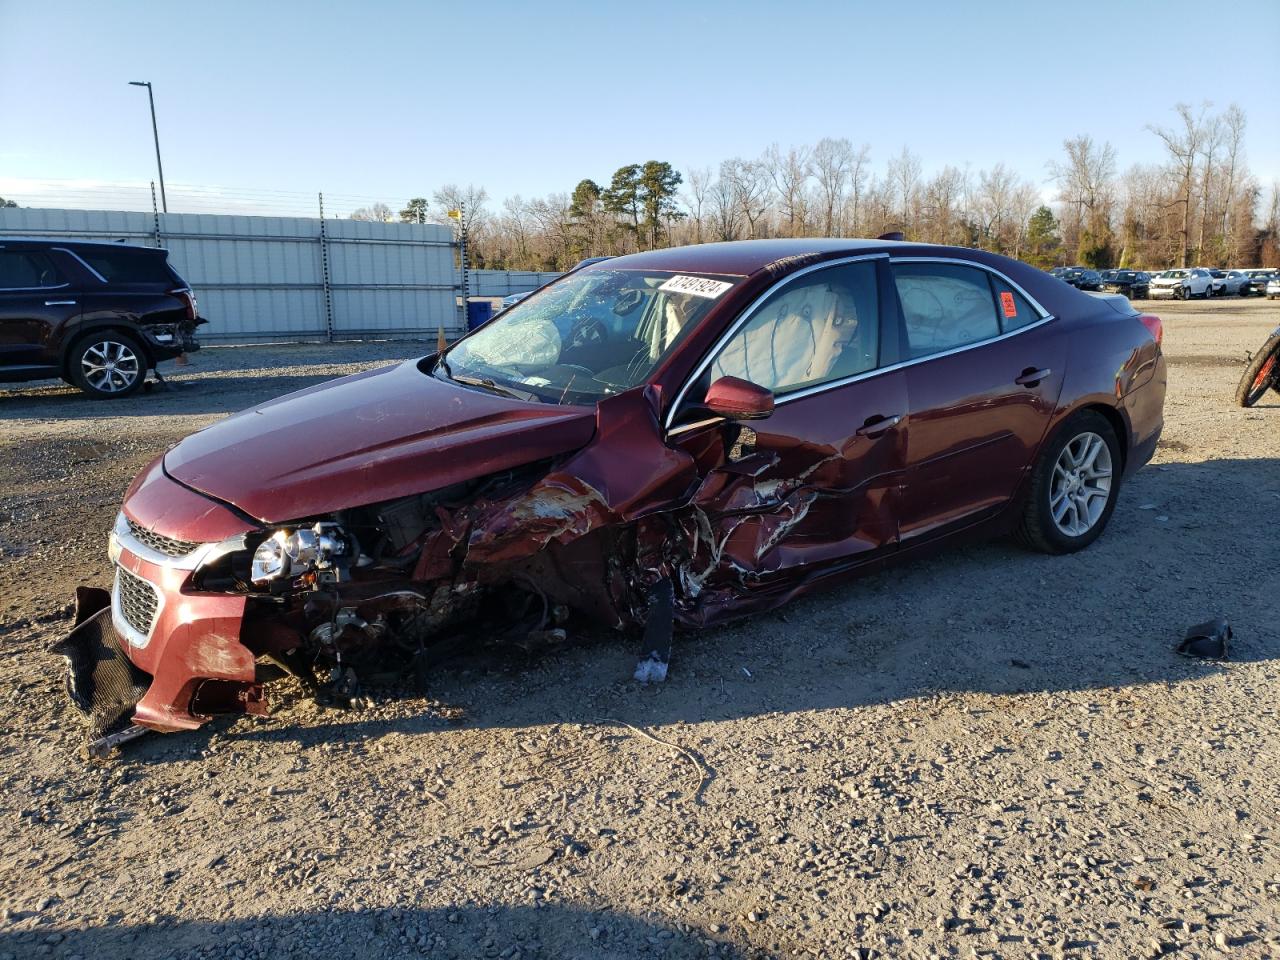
(1230, 283)
(1182, 284)
(1273, 286)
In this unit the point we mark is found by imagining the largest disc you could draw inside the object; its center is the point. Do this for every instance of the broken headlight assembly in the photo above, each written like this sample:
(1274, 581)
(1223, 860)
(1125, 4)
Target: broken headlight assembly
(323, 549)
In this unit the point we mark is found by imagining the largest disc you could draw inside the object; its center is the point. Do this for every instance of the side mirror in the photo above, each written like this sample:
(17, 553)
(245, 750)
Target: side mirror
(736, 399)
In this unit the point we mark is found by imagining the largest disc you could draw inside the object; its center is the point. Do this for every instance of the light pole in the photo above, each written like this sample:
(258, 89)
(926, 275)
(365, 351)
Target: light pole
(164, 203)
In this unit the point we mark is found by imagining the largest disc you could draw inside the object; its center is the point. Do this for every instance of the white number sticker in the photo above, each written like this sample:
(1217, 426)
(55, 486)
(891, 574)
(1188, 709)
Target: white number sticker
(696, 286)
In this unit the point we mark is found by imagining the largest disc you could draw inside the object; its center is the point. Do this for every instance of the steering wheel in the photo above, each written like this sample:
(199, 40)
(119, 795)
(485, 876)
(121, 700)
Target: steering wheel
(588, 331)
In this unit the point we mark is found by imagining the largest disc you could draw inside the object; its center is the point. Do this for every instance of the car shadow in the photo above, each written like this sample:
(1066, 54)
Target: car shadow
(1184, 546)
(547, 930)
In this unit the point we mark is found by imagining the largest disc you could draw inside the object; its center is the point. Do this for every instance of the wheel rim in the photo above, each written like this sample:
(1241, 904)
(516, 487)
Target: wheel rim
(1264, 375)
(110, 366)
(1081, 485)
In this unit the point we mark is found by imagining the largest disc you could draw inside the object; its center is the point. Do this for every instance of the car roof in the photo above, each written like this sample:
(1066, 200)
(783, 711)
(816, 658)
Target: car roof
(746, 257)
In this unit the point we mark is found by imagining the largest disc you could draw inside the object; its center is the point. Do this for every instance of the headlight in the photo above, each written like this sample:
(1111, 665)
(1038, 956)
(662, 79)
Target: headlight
(270, 560)
(291, 553)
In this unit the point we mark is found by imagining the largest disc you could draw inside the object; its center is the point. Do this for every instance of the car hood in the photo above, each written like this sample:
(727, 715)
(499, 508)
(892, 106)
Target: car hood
(1168, 281)
(363, 439)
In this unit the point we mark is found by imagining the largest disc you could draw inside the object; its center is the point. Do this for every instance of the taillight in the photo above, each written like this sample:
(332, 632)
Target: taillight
(1154, 326)
(188, 300)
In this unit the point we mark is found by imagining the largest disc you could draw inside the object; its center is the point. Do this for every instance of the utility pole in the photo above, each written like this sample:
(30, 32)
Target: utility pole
(155, 131)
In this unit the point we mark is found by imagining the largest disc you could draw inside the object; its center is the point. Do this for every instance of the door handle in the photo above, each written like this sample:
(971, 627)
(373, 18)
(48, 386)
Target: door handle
(1030, 377)
(59, 303)
(874, 426)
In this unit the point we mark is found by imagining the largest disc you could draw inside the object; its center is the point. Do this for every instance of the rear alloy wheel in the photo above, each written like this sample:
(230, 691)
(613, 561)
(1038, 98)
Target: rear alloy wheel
(1073, 486)
(108, 365)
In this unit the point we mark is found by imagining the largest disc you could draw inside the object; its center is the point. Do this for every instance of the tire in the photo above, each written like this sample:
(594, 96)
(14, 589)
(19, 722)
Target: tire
(107, 364)
(1055, 518)
(1261, 374)
(1185, 293)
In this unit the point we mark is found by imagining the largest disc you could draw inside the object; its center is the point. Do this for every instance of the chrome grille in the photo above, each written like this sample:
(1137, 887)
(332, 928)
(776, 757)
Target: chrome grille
(137, 600)
(160, 543)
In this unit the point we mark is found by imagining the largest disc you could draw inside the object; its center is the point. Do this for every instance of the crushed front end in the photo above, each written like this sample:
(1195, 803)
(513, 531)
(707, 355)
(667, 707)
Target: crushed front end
(208, 604)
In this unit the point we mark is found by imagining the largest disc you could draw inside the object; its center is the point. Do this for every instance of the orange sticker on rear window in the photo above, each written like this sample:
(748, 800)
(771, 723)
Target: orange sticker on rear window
(1007, 305)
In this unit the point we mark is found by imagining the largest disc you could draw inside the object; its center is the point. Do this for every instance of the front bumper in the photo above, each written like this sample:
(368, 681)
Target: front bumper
(186, 641)
(1159, 293)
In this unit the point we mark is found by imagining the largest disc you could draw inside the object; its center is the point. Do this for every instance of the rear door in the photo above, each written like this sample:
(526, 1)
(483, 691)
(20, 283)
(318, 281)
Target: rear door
(984, 370)
(818, 480)
(36, 298)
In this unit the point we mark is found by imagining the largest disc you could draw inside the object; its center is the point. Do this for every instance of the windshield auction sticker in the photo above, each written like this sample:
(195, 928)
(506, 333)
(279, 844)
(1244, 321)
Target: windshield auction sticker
(696, 286)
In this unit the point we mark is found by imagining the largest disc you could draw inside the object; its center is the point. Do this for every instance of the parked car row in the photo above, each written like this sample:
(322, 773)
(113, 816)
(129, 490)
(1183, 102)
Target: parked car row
(1179, 283)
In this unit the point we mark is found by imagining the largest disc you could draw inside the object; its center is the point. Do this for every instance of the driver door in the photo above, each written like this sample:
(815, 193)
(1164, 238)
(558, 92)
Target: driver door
(817, 481)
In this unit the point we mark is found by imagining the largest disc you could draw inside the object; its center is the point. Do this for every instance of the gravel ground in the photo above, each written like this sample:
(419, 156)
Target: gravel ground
(987, 754)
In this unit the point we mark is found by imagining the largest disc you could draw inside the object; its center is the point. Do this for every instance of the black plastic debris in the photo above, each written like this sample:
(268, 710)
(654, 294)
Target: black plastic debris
(659, 631)
(1207, 641)
(101, 681)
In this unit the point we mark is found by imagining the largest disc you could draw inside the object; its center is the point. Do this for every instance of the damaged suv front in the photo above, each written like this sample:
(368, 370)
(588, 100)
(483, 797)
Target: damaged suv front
(367, 527)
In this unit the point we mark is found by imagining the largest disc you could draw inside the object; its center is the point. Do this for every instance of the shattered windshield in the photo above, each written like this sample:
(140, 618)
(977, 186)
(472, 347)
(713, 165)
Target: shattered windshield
(592, 334)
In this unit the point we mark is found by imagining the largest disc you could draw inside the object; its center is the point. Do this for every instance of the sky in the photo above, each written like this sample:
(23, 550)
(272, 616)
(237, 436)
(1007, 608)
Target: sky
(269, 102)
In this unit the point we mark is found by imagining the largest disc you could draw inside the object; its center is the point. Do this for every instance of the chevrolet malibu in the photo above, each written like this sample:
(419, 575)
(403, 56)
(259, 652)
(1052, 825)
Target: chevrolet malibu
(668, 439)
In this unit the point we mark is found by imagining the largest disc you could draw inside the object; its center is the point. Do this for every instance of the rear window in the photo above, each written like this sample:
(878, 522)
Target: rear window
(130, 266)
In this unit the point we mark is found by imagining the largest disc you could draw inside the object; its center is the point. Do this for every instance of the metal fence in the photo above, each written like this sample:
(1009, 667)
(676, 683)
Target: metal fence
(287, 278)
(503, 283)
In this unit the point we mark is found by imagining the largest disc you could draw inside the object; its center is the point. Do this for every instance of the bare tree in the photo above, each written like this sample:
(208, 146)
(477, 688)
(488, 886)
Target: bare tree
(904, 178)
(859, 171)
(1086, 184)
(749, 182)
(554, 217)
(469, 201)
(378, 213)
(699, 182)
(1183, 145)
(1024, 202)
(996, 189)
(1209, 144)
(941, 199)
(832, 163)
(722, 201)
(1234, 123)
(790, 175)
(514, 222)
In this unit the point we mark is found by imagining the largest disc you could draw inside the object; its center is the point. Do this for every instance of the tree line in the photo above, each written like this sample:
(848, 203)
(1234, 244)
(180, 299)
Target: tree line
(1200, 206)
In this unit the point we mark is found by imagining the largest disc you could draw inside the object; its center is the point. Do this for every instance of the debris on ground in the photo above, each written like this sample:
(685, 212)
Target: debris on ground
(1207, 641)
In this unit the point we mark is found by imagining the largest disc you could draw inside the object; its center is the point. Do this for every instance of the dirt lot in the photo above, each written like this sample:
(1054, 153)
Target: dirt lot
(990, 754)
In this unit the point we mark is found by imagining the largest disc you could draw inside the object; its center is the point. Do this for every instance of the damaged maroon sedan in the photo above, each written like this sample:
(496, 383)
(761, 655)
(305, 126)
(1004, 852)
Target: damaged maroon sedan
(672, 438)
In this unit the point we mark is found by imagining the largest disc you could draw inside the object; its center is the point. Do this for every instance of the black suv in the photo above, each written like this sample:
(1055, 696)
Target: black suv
(1134, 284)
(98, 315)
